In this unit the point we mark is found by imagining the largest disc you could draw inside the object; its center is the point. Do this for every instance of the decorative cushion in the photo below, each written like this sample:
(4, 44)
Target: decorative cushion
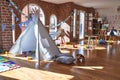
(65, 59)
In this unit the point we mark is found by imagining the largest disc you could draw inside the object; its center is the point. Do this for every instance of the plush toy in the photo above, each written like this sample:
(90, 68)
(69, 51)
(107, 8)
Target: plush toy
(69, 59)
(101, 41)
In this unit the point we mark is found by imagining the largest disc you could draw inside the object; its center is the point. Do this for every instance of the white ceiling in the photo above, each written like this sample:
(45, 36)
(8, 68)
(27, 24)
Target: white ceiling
(90, 3)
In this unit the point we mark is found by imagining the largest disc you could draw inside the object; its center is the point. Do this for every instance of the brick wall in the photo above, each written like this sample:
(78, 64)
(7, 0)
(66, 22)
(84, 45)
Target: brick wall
(48, 9)
(0, 30)
(5, 17)
(60, 10)
(0, 26)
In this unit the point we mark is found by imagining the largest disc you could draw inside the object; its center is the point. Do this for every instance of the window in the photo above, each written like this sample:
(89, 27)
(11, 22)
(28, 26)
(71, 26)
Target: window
(53, 23)
(13, 30)
(74, 23)
(53, 20)
(27, 11)
(82, 24)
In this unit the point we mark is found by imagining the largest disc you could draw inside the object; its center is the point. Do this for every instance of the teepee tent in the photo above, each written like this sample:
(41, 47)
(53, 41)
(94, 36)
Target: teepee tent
(35, 37)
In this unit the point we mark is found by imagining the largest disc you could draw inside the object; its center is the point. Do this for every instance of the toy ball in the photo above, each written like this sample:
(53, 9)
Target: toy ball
(6, 52)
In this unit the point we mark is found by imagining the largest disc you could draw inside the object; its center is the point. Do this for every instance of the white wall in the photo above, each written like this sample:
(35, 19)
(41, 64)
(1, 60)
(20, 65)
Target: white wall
(112, 15)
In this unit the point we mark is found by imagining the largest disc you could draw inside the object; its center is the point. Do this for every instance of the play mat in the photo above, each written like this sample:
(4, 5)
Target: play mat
(7, 65)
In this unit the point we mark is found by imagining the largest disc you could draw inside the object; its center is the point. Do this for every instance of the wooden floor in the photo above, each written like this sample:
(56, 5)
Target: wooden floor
(101, 63)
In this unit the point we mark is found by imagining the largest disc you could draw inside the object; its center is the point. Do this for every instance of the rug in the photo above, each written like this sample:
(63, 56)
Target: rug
(7, 65)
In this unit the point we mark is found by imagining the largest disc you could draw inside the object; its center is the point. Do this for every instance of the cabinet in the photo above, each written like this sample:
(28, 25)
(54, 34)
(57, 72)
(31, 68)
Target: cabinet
(89, 21)
(96, 27)
(93, 24)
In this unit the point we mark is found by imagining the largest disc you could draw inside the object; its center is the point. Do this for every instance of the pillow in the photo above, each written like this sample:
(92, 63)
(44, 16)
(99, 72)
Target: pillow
(63, 54)
(65, 59)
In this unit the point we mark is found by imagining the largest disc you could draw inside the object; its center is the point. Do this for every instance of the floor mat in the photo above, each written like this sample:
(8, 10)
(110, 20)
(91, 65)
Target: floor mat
(7, 65)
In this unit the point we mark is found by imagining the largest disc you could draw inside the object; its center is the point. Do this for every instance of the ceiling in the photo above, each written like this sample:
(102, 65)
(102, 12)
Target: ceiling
(90, 3)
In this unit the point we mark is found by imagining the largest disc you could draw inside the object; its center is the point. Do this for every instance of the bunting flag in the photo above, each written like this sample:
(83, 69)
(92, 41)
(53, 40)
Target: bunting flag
(26, 23)
(20, 11)
(27, 17)
(30, 19)
(9, 5)
(11, 10)
(17, 19)
(14, 15)
(16, 7)
(21, 24)
(13, 27)
(3, 26)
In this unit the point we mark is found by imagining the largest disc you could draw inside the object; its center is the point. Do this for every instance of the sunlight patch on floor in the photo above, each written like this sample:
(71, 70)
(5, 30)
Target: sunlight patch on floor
(100, 48)
(24, 73)
(15, 57)
(81, 47)
(65, 51)
(89, 67)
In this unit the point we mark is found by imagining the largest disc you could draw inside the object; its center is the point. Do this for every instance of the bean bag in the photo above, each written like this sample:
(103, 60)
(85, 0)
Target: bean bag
(65, 59)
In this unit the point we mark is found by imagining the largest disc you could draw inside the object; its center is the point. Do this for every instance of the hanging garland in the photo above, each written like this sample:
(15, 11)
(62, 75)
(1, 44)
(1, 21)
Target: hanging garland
(60, 23)
(17, 19)
(11, 3)
(15, 6)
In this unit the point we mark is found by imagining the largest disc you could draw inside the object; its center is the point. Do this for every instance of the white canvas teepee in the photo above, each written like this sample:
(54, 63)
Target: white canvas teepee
(35, 37)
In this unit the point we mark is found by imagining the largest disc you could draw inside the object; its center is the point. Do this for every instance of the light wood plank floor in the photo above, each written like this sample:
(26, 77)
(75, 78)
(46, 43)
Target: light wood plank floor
(101, 64)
